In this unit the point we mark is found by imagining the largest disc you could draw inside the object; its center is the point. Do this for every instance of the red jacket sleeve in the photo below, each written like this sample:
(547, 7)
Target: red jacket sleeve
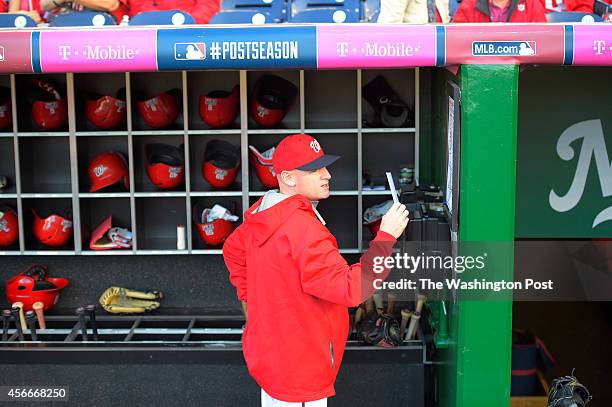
(234, 254)
(203, 10)
(538, 13)
(326, 275)
(460, 16)
(3, 6)
(585, 6)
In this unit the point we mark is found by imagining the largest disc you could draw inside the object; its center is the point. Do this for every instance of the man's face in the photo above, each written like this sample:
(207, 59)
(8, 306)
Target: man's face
(314, 185)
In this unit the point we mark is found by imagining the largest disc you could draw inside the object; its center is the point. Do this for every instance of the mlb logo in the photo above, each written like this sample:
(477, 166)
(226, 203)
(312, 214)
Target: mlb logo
(189, 51)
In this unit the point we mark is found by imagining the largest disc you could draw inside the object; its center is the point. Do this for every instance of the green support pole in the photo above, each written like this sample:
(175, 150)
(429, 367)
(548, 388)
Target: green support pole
(487, 199)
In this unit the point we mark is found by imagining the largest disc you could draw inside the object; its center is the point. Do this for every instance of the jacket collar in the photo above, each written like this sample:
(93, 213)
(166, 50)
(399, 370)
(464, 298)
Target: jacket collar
(483, 7)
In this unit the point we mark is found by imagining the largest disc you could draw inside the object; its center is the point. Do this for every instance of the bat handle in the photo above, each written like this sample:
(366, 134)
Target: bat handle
(22, 320)
(31, 319)
(15, 314)
(6, 320)
(39, 309)
(82, 322)
(91, 311)
(391, 303)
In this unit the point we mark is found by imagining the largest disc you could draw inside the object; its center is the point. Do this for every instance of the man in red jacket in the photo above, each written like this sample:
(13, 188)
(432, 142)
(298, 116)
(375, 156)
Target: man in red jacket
(200, 10)
(500, 11)
(293, 282)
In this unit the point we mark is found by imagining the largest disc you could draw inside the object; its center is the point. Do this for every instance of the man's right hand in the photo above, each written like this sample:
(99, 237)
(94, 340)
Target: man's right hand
(395, 220)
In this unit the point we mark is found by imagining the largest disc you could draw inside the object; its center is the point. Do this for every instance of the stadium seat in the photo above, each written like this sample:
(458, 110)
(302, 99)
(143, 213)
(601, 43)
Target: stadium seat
(325, 15)
(601, 7)
(82, 19)
(240, 17)
(276, 9)
(453, 5)
(15, 21)
(170, 17)
(572, 17)
(298, 6)
(370, 9)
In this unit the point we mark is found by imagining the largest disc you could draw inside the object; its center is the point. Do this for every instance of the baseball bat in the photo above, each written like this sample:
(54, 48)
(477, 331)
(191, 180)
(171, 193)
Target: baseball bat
(81, 313)
(405, 318)
(22, 320)
(378, 300)
(15, 314)
(6, 320)
(38, 308)
(369, 306)
(412, 328)
(391, 303)
(31, 319)
(420, 302)
(91, 311)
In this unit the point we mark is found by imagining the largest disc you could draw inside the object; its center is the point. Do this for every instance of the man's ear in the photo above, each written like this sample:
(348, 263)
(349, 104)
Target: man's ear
(288, 178)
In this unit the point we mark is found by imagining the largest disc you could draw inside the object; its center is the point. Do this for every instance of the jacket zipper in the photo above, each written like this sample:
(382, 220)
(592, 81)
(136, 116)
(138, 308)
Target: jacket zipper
(331, 352)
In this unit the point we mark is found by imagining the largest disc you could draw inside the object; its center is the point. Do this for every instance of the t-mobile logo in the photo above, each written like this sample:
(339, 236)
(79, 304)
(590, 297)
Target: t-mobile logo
(342, 49)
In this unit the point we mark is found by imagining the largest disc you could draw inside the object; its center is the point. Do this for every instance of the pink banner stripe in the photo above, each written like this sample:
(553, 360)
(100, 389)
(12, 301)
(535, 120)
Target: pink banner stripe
(99, 50)
(375, 46)
(592, 45)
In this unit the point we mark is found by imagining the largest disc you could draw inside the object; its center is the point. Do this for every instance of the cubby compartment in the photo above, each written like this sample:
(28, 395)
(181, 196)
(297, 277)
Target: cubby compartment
(215, 83)
(401, 83)
(197, 147)
(157, 220)
(89, 88)
(107, 151)
(7, 165)
(94, 211)
(330, 100)
(146, 87)
(52, 232)
(233, 204)
(51, 113)
(6, 107)
(374, 166)
(9, 227)
(369, 201)
(45, 165)
(340, 215)
(142, 181)
(291, 120)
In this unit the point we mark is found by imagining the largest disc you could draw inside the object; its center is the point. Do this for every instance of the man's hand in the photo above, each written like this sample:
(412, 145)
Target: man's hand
(32, 14)
(395, 220)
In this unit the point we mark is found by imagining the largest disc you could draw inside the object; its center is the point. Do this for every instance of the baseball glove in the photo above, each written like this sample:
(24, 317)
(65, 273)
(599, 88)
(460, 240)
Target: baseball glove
(383, 331)
(118, 300)
(567, 391)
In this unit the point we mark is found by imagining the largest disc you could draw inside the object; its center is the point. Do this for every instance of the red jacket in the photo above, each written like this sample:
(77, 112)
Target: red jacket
(200, 10)
(286, 265)
(521, 11)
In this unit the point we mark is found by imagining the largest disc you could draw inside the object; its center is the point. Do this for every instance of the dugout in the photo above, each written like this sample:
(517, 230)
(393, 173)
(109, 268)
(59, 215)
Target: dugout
(189, 349)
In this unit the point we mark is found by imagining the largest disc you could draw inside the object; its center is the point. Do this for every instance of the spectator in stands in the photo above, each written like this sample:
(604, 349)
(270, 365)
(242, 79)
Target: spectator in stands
(29, 8)
(200, 10)
(414, 11)
(3, 6)
(41, 10)
(500, 11)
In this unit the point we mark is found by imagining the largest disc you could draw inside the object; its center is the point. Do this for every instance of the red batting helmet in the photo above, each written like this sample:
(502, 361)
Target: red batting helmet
(49, 109)
(160, 111)
(219, 108)
(35, 285)
(107, 169)
(6, 110)
(212, 232)
(221, 163)
(53, 230)
(9, 227)
(263, 166)
(165, 165)
(105, 112)
(272, 97)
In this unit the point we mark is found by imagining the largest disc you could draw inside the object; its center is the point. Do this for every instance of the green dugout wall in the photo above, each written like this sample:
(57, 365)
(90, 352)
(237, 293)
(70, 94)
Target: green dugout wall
(534, 165)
